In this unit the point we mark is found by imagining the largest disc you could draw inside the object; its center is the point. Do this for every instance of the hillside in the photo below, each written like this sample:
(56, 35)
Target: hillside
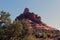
(36, 23)
(26, 26)
(34, 20)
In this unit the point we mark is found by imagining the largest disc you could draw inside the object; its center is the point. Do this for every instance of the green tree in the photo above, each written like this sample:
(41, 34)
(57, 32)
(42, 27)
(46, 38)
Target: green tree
(5, 18)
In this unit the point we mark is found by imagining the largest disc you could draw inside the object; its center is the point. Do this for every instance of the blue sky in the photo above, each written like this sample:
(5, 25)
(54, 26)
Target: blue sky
(49, 10)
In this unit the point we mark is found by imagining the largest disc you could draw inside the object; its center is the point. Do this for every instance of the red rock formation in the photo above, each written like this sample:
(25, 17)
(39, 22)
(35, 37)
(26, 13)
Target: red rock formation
(28, 15)
(34, 20)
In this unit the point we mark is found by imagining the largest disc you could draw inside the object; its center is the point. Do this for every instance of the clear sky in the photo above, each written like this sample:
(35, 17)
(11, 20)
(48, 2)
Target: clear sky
(49, 10)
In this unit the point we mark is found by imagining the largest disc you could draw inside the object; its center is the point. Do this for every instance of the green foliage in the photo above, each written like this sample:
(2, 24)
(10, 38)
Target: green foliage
(20, 29)
(5, 18)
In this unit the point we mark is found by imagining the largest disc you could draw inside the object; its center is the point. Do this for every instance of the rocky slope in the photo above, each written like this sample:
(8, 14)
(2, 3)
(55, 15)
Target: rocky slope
(34, 20)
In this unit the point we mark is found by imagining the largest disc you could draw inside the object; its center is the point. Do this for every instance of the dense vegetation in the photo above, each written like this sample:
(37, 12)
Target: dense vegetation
(20, 30)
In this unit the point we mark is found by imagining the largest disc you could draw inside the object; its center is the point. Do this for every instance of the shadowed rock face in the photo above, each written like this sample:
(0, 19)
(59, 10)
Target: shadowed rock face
(28, 15)
(36, 20)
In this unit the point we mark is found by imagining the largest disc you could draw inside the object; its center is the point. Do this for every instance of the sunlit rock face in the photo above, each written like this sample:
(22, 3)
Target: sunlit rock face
(34, 20)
